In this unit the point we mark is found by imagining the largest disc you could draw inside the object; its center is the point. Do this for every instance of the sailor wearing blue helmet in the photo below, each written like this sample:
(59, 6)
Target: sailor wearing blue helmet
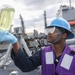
(56, 59)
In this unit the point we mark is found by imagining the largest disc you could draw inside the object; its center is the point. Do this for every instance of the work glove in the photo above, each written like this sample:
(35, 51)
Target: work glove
(5, 36)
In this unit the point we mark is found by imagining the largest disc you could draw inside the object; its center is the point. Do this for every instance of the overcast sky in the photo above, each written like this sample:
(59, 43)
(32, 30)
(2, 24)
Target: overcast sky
(32, 11)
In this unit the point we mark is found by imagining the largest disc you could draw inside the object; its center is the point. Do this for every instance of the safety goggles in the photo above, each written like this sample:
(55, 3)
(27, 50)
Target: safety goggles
(52, 30)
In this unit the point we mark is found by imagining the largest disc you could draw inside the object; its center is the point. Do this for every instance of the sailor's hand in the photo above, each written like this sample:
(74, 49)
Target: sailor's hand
(5, 36)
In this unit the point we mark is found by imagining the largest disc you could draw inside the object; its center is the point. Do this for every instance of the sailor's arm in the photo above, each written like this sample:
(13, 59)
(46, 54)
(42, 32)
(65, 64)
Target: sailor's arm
(26, 64)
(23, 62)
(16, 47)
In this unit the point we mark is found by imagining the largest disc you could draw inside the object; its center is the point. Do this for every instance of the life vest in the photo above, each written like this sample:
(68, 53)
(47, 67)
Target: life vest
(65, 66)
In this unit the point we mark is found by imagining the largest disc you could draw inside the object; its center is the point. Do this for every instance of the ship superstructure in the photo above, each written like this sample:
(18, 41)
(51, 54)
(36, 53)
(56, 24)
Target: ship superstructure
(68, 13)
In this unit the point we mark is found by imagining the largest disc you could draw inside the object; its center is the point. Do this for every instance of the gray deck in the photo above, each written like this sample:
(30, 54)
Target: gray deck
(13, 70)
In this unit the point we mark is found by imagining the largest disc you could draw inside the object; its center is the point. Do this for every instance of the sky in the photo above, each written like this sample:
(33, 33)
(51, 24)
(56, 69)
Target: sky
(32, 12)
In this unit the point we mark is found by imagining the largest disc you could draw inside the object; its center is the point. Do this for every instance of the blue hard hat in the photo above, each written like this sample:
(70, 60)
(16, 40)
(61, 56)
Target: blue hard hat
(62, 23)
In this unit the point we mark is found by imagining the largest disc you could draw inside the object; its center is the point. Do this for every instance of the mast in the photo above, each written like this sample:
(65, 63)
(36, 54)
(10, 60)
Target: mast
(22, 23)
(45, 22)
(70, 3)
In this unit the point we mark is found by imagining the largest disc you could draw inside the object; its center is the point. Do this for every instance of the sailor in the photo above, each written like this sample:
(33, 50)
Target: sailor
(56, 59)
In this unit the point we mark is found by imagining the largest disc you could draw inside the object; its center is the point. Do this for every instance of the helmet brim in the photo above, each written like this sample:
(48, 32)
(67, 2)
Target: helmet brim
(70, 36)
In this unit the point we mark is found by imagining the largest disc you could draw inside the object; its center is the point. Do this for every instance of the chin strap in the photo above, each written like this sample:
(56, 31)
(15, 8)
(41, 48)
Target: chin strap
(58, 37)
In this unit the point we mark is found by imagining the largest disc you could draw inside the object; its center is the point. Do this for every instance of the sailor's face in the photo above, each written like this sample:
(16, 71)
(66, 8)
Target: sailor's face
(52, 34)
